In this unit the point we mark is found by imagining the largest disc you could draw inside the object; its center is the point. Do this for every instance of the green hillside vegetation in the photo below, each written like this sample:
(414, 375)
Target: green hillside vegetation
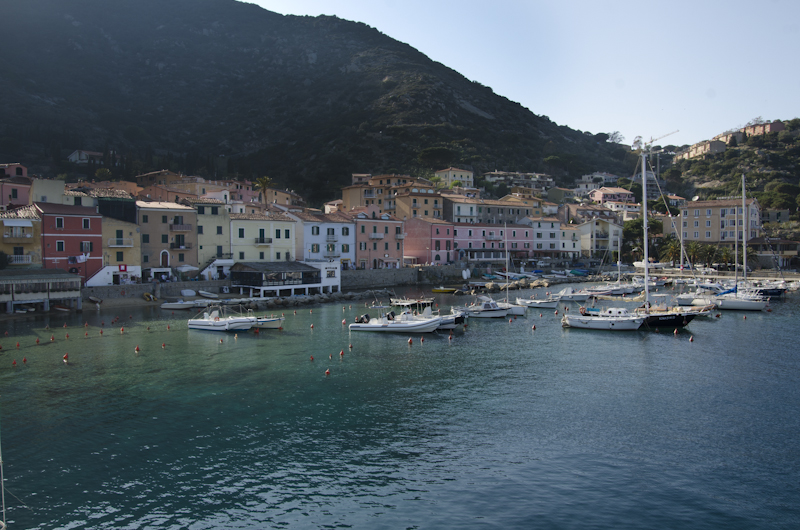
(225, 89)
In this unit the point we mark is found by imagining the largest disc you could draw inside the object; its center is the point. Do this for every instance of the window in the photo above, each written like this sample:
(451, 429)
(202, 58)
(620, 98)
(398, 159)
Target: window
(144, 218)
(59, 223)
(199, 229)
(180, 256)
(219, 230)
(708, 224)
(314, 231)
(362, 229)
(59, 246)
(708, 235)
(86, 223)
(260, 255)
(696, 224)
(398, 246)
(286, 234)
(145, 258)
(315, 248)
(374, 246)
(685, 235)
(696, 213)
(164, 219)
(87, 246)
(277, 255)
(14, 193)
(201, 210)
(708, 212)
(241, 255)
(696, 235)
(241, 233)
(214, 210)
(345, 231)
(362, 245)
(331, 274)
(164, 238)
(145, 238)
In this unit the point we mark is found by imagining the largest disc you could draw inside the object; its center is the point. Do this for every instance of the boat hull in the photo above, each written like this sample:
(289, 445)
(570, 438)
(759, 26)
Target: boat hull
(389, 326)
(269, 322)
(602, 323)
(668, 320)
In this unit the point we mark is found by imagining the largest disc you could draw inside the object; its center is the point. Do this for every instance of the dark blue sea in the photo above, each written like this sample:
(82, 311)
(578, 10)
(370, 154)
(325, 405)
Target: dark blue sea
(504, 426)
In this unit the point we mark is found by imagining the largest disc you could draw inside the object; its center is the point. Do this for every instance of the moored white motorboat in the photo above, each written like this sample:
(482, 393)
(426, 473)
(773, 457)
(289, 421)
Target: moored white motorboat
(206, 294)
(180, 304)
(544, 303)
(485, 307)
(513, 309)
(405, 322)
(568, 294)
(214, 319)
(188, 292)
(269, 322)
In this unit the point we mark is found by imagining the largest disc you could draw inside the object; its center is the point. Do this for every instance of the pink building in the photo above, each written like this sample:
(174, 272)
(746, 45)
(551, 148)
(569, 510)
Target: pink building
(429, 240)
(479, 242)
(379, 238)
(15, 191)
(606, 194)
(13, 170)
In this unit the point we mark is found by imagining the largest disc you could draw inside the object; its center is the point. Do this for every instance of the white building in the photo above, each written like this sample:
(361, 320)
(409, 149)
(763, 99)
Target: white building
(325, 238)
(452, 174)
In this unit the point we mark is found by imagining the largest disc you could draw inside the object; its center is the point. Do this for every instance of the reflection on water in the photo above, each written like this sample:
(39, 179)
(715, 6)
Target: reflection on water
(501, 426)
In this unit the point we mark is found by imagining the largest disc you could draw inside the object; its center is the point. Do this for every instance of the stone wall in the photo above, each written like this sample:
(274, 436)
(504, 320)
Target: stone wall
(161, 290)
(376, 278)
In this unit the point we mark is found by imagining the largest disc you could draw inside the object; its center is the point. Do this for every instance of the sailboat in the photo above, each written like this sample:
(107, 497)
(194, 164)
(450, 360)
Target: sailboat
(513, 309)
(736, 298)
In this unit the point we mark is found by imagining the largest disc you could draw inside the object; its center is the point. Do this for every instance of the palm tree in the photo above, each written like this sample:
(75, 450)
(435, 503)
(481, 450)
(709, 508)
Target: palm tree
(693, 251)
(670, 250)
(726, 256)
(262, 184)
(708, 253)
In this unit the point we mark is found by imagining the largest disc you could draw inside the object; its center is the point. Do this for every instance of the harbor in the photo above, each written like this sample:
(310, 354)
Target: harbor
(509, 422)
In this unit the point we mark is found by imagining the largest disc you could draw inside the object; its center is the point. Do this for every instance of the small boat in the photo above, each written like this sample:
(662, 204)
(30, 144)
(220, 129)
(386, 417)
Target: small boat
(271, 322)
(405, 322)
(544, 303)
(215, 319)
(485, 307)
(180, 304)
(59, 307)
(569, 294)
(423, 308)
(513, 309)
(188, 292)
(446, 290)
(206, 294)
(149, 297)
(95, 299)
(609, 318)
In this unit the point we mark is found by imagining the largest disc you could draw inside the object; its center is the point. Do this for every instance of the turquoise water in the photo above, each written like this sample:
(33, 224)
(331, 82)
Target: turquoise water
(503, 426)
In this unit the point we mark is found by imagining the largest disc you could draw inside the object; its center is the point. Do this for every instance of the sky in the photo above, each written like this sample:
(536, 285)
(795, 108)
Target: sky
(641, 68)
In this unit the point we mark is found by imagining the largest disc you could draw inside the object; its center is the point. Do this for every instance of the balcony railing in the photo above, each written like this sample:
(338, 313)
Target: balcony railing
(120, 242)
(263, 241)
(331, 238)
(17, 238)
(19, 260)
(601, 235)
(492, 237)
(375, 235)
(180, 228)
(183, 246)
(399, 236)
(331, 253)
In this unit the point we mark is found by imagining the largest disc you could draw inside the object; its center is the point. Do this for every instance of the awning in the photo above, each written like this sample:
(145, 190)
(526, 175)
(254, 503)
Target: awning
(17, 222)
(187, 268)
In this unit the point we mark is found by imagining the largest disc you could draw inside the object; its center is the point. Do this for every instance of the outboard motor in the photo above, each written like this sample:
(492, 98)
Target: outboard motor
(363, 319)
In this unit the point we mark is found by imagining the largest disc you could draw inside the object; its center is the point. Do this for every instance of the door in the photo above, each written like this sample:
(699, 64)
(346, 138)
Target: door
(119, 237)
(165, 259)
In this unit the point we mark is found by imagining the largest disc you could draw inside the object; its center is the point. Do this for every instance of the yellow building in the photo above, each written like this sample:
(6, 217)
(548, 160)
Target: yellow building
(122, 253)
(22, 237)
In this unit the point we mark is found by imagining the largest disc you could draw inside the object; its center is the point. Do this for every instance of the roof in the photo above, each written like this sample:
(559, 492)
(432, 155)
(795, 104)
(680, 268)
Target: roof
(273, 266)
(453, 169)
(333, 217)
(155, 205)
(260, 217)
(49, 208)
(25, 212)
(202, 201)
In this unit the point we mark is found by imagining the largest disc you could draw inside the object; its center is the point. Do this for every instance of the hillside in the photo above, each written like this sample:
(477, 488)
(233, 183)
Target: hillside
(305, 100)
(771, 164)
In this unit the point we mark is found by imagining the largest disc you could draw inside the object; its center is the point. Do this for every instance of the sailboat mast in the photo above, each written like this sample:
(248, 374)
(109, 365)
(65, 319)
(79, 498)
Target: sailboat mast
(3, 525)
(644, 213)
(745, 219)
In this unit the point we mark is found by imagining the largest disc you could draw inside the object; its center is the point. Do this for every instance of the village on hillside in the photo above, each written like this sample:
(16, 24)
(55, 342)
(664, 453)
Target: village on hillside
(169, 227)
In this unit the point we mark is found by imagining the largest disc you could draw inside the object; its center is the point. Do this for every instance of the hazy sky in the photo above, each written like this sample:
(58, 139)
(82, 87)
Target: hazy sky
(641, 68)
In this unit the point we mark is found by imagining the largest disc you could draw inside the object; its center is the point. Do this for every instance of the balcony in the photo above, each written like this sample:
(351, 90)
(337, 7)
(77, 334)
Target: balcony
(19, 260)
(180, 228)
(369, 194)
(120, 242)
(263, 241)
(17, 238)
(375, 235)
(601, 235)
(399, 236)
(331, 238)
(331, 254)
(184, 246)
(491, 237)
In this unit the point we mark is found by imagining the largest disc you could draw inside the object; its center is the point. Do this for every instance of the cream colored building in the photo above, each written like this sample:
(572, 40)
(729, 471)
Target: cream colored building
(122, 254)
(262, 237)
(452, 174)
(718, 222)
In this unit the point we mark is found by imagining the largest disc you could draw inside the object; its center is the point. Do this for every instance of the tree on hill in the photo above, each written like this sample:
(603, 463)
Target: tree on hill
(261, 185)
